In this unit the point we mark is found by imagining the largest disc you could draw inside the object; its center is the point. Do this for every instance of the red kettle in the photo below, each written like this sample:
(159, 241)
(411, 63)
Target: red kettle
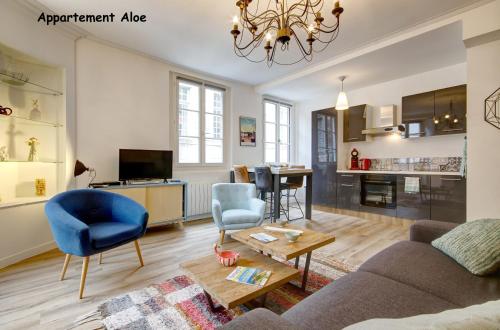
(365, 164)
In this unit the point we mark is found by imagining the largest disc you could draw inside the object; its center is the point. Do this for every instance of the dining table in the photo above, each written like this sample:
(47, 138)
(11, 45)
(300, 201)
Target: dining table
(284, 172)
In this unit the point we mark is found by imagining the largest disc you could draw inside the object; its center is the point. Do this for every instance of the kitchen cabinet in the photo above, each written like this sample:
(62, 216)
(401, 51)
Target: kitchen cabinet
(450, 110)
(414, 205)
(348, 191)
(448, 198)
(436, 112)
(354, 123)
(324, 157)
(418, 113)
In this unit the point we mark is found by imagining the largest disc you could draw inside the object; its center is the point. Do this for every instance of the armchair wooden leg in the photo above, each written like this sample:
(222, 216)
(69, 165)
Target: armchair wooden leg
(222, 233)
(65, 266)
(138, 249)
(100, 258)
(85, 267)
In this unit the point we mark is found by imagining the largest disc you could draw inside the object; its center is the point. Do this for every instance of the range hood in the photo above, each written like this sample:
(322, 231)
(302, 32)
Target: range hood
(382, 120)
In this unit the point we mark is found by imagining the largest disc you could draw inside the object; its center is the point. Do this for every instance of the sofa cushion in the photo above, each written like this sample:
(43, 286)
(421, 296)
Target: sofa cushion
(361, 296)
(237, 216)
(428, 269)
(259, 318)
(477, 317)
(475, 245)
(108, 234)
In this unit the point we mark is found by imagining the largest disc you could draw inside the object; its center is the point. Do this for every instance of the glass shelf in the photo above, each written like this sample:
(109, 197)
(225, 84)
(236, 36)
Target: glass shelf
(31, 121)
(28, 86)
(45, 161)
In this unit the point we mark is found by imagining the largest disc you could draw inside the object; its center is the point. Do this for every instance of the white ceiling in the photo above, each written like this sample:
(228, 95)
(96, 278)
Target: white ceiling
(195, 33)
(428, 51)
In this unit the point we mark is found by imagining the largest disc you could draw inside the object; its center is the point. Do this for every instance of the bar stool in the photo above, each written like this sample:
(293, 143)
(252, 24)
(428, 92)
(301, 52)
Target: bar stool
(241, 174)
(295, 183)
(264, 183)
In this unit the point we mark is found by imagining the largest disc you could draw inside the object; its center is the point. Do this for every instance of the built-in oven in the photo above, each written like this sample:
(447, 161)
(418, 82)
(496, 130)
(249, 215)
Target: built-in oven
(379, 190)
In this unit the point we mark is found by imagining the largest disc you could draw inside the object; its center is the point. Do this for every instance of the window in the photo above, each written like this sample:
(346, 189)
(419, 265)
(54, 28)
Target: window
(276, 132)
(200, 115)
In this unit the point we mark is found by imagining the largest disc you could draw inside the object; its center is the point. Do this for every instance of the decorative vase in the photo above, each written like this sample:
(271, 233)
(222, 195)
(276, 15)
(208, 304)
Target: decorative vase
(40, 187)
(35, 114)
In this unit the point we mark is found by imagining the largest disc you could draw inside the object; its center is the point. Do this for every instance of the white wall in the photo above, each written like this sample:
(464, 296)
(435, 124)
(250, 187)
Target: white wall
(483, 71)
(25, 231)
(124, 102)
(385, 93)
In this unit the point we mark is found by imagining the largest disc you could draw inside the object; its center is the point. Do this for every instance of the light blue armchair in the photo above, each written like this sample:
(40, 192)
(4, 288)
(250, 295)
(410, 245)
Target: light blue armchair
(236, 206)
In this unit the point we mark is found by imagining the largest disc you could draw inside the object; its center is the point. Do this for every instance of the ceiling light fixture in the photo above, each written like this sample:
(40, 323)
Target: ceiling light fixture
(278, 22)
(342, 102)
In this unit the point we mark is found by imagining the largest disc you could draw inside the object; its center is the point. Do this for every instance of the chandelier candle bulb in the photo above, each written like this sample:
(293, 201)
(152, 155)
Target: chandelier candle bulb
(235, 23)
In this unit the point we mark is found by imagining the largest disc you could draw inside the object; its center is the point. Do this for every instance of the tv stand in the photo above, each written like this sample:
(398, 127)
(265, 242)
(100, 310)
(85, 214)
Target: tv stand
(145, 182)
(166, 202)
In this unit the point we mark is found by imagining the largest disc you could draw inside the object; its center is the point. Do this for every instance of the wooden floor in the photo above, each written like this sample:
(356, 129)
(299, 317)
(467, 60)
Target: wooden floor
(31, 295)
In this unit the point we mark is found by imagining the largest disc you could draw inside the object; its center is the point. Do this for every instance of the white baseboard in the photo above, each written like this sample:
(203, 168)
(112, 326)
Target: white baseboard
(9, 260)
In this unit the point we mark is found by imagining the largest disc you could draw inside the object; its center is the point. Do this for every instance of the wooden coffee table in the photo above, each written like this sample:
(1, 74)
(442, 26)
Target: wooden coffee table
(310, 240)
(211, 276)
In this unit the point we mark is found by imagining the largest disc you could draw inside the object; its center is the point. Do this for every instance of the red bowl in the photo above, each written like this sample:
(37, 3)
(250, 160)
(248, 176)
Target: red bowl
(227, 258)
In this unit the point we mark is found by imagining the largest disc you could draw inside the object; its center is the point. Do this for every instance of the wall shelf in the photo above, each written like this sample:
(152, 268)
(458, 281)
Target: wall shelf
(30, 121)
(32, 162)
(27, 86)
(21, 201)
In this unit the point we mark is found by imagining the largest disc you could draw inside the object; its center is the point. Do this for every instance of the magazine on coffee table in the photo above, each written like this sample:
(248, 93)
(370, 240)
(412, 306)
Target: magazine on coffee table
(248, 275)
(263, 237)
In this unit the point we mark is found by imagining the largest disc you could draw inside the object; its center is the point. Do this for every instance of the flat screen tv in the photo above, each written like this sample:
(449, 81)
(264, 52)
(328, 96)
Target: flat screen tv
(145, 164)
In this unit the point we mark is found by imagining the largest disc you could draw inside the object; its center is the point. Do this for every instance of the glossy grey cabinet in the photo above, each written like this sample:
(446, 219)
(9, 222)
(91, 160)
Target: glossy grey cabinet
(414, 205)
(418, 114)
(348, 191)
(448, 198)
(438, 112)
(450, 107)
(354, 123)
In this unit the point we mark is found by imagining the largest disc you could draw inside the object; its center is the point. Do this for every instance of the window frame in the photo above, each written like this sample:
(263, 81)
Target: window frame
(277, 126)
(176, 78)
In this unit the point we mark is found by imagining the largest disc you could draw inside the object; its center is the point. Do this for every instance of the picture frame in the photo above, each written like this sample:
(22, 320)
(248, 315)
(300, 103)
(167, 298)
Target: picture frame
(248, 131)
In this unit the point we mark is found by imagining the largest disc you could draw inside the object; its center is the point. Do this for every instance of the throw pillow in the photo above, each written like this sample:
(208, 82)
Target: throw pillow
(476, 317)
(475, 245)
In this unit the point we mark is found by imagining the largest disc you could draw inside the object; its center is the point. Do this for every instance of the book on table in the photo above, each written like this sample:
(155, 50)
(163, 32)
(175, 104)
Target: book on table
(263, 237)
(248, 275)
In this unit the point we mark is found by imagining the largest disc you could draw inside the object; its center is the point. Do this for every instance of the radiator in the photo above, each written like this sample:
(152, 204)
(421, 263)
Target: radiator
(199, 200)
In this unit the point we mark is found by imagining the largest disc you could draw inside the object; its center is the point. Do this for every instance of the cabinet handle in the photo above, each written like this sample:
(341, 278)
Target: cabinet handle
(347, 175)
(448, 179)
(452, 129)
(346, 185)
(352, 139)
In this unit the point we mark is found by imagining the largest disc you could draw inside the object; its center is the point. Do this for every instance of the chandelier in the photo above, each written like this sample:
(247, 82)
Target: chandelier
(279, 25)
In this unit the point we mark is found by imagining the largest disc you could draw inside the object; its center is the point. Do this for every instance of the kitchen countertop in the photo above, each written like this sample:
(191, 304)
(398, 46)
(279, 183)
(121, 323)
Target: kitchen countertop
(399, 172)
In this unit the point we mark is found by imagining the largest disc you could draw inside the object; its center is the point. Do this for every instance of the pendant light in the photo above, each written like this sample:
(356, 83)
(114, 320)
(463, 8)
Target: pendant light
(342, 102)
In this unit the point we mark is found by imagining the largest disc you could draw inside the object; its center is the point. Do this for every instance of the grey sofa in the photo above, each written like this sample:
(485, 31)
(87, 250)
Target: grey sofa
(406, 279)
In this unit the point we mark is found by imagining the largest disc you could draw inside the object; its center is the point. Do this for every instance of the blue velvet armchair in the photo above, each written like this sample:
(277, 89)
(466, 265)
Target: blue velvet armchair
(86, 222)
(236, 206)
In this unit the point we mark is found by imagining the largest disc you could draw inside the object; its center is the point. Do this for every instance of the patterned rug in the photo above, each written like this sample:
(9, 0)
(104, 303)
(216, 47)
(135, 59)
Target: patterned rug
(179, 303)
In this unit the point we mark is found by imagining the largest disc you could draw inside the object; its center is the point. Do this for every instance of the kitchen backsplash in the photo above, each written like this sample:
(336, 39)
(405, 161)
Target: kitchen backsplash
(427, 164)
